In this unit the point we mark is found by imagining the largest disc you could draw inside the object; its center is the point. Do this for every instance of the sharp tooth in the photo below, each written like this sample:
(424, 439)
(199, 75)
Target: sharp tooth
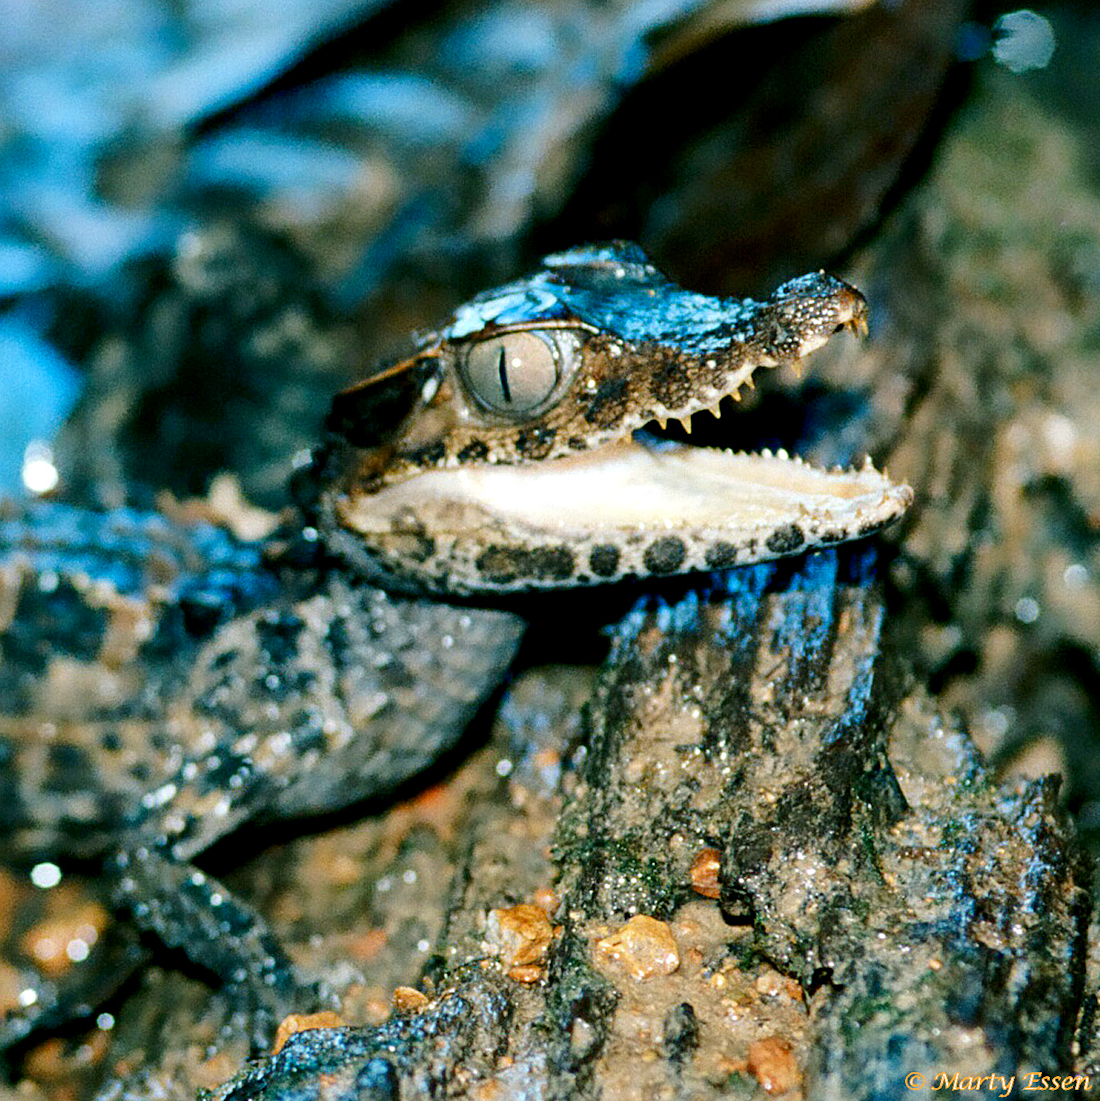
(663, 422)
(736, 395)
(716, 412)
(750, 382)
(685, 424)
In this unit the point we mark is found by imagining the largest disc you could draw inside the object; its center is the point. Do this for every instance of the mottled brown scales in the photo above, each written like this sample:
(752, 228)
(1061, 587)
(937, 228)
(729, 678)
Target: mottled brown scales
(608, 404)
(672, 383)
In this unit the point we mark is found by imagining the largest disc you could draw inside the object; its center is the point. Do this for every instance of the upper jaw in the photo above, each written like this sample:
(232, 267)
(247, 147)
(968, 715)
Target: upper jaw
(631, 347)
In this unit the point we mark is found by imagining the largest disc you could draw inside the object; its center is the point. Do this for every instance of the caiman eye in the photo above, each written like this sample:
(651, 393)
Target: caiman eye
(514, 372)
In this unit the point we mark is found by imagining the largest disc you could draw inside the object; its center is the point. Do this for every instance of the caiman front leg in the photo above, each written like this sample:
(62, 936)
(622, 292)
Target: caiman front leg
(189, 910)
(301, 706)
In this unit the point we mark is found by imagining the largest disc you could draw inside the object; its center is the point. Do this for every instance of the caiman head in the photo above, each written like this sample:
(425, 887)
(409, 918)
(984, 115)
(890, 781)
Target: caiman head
(505, 452)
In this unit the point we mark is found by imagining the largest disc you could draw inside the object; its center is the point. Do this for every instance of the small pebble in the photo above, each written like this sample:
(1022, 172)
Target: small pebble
(704, 873)
(302, 1022)
(521, 936)
(772, 1064)
(407, 999)
(523, 932)
(644, 946)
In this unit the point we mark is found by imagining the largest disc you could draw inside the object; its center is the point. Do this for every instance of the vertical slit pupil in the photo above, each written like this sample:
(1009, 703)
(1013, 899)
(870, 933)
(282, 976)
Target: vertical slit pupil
(502, 371)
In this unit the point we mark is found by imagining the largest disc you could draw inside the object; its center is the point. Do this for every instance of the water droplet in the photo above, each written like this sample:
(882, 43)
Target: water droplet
(1076, 576)
(45, 875)
(1024, 40)
(77, 950)
(1027, 609)
(39, 473)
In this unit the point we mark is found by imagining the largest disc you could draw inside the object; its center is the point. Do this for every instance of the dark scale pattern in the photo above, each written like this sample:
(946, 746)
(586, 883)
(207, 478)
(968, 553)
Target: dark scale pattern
(603, 560)
(607, 406)
(665, 555)
(277, 634)
(70, 766)
(672, 385)
(786, 540)
(721, 556)
(427, 456)
(502, 564)
(536, 443)
(54, 618)
(474, 452)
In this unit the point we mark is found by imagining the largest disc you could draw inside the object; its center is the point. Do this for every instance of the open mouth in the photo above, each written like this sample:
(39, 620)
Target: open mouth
(704, 494)
(638, 496)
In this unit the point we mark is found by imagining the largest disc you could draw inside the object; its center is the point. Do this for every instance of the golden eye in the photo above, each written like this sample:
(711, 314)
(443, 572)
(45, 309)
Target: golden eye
(512, 373)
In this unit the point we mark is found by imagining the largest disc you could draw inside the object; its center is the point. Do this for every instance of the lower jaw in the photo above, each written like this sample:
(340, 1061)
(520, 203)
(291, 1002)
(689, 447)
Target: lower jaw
(629, 510)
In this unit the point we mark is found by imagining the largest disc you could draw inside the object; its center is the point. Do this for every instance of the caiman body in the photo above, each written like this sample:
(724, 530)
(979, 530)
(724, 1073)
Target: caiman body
(165, 683)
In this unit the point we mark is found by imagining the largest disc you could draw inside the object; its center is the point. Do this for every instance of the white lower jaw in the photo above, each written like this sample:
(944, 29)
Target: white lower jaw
(628, 489)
